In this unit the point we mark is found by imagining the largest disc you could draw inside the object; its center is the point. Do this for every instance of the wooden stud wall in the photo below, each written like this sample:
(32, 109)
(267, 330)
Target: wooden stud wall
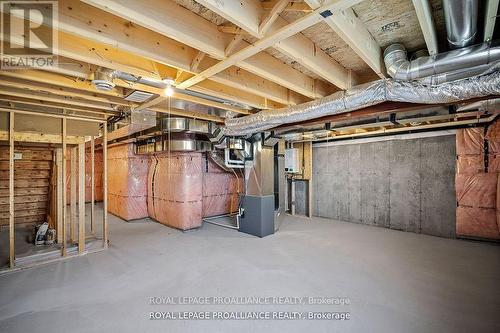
(32, 175)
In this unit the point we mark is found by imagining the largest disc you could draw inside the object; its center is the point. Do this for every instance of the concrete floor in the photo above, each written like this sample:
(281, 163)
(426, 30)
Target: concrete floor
(396, 281)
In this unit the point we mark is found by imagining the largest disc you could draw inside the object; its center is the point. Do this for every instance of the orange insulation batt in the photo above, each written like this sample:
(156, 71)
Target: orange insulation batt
(127, 187)
(478, 193)
(175, 189)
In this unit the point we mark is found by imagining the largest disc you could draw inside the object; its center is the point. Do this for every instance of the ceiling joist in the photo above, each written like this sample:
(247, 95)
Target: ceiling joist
(350, 28)
(270, 40)
(297, 46)
(176, 22)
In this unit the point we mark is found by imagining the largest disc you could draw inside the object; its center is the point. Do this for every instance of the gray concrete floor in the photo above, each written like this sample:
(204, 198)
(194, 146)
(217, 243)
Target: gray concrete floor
(396, 281)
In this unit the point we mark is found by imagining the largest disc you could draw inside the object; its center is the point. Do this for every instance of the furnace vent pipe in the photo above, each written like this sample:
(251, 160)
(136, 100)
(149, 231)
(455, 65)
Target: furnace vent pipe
(460, 17)
(369, 94)
(400, 68)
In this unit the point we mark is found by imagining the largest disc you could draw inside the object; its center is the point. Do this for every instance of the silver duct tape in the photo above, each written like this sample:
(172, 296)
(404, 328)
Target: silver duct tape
(367, 95)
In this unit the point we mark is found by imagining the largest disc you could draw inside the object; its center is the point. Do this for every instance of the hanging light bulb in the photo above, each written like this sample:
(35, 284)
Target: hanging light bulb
(169, 91)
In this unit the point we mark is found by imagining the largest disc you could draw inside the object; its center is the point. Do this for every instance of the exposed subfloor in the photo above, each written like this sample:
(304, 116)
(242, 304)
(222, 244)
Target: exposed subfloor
(396, 281)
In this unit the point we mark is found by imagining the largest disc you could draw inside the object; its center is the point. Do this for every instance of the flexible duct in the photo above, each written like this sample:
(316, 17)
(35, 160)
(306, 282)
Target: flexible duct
(399, 67)
(366, 95)
(461, 22)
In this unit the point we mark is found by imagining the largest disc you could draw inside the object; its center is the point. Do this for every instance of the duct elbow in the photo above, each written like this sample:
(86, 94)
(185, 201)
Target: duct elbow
(396, 62)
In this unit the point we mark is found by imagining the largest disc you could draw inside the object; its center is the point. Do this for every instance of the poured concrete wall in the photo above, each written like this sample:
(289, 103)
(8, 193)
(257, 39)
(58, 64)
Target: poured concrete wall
(404, 184)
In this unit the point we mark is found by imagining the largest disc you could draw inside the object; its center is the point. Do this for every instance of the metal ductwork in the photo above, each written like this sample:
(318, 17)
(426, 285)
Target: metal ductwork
(162, 85)
(178, 124)
(103, 79)
(399, 67)
(369, 94)
(461, 22)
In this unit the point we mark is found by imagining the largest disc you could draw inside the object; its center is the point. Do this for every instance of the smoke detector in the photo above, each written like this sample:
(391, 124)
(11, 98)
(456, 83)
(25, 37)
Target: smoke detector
(103, 80)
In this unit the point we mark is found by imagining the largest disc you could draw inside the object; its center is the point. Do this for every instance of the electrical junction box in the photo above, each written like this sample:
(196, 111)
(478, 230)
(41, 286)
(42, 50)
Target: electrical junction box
(292, 160)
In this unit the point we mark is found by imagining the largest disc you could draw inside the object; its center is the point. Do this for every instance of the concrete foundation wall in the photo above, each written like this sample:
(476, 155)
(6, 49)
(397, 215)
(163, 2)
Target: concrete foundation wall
(404, 184)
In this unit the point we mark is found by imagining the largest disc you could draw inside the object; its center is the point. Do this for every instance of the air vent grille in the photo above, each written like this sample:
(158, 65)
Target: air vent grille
(138, 96)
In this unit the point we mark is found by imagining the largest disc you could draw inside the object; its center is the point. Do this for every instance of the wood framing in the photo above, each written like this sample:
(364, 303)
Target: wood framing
(176, 22)
(81, 198)
(65, 186)
(424, 14)
(82, 84)
(107, 29)
(73, 196)
(273, 15)
(264, 43)
(105, 184)
(298, 47)
(59, 190)
(490, 19)
(12, 248)
(92, 184)
(350, 28)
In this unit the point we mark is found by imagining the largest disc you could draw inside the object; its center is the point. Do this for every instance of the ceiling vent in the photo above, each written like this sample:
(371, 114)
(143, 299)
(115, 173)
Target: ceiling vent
(138, 96)
(103, 80)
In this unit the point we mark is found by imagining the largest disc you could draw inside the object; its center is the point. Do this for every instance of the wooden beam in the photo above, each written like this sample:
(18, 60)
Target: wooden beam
(65, 186)
(262, 44)
(237, 39)
(92, 183)
(83, 104)
(39, 137)
(79, 79)
(73, 195)
(59, 205)
(272, 16)
(64, 81)
(179, 23)
(490, 19)
(350, 28)
(293, 6)
(81, 198)
(12, 249)
(196, 61)
(298, 47)
(93, 24)
(51, 115)
(424, 15)
(103, 55)
(105, 185)
(47, 107)
(68, 93)
(152, 102)
(189, 114)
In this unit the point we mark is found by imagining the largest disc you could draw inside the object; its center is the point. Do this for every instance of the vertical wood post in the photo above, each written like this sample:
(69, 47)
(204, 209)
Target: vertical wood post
(92, 182)
(105, 183)
(81, 197)
(11, 191)
(59, 203)
(64, 187)
(73, 195)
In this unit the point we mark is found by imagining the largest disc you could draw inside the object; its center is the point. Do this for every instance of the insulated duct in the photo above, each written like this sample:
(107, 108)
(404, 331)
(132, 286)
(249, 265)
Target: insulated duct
(400, 68)
(369, 94)
(461, 22)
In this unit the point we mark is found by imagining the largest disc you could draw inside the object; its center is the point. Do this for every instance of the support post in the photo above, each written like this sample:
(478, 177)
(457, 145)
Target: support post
(92, 182)
(105, 184)
(60, 183)
(81, 198)
(65, 186)
(11, 191)
(73, 196)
